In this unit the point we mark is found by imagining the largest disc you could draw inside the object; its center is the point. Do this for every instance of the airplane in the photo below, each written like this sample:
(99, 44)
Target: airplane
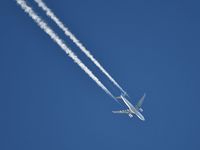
(131, 109)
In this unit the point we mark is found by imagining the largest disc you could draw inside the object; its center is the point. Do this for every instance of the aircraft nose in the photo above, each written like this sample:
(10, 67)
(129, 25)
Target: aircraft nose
(141, 117)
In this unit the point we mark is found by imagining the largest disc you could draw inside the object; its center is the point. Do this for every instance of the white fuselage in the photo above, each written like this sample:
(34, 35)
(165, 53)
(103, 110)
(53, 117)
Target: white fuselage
(132, 109)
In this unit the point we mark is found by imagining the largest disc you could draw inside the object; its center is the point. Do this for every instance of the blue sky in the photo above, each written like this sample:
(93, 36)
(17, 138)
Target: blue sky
(48, 102)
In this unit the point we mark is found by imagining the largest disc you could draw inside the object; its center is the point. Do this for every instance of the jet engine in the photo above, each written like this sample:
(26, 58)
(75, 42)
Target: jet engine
(130, 115)
(141, 110)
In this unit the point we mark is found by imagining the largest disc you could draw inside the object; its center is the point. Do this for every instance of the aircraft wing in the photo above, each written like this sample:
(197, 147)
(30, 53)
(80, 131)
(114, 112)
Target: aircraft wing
(139, 104)
(119, 97)
(121, 111)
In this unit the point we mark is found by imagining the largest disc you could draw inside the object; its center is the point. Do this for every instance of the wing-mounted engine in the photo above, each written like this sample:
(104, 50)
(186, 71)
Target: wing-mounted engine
(141, 110)
(130, 115)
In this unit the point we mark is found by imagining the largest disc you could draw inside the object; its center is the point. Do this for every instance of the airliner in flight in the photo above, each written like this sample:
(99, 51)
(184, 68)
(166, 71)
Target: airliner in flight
(131, 109)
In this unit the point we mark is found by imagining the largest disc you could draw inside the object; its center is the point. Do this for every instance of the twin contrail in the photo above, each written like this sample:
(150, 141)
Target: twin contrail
(43, 25)
(67, 32)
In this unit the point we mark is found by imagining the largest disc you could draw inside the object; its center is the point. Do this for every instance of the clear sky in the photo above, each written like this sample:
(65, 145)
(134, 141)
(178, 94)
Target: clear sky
(48, 102)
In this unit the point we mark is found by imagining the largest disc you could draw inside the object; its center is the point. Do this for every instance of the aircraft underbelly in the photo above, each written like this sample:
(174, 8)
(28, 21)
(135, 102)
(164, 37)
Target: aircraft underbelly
(133, 112)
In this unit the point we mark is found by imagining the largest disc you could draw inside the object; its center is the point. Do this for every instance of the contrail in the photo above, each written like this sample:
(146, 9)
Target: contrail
(67, 32)
(43, 25)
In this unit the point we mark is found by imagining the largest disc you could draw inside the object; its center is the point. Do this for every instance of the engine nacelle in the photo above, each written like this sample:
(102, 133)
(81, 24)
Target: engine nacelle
(130, 115)
(141, 110)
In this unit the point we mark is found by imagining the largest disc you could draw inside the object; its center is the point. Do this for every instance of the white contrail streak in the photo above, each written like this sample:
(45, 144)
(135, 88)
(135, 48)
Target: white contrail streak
(43, 25)
(67, 32)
